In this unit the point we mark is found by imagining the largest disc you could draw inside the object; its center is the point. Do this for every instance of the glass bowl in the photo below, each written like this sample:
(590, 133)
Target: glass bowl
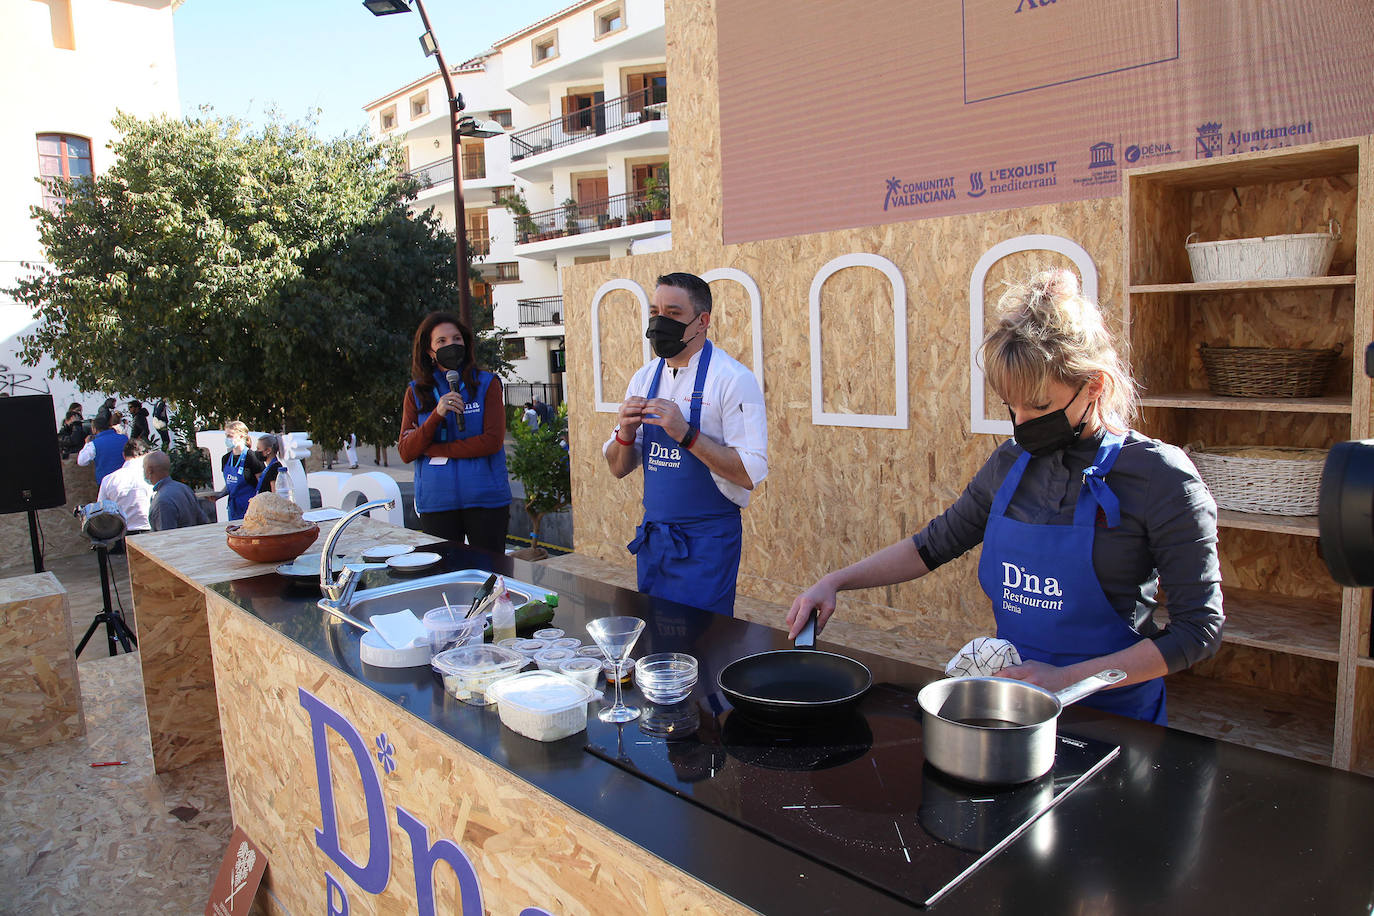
(666, 677)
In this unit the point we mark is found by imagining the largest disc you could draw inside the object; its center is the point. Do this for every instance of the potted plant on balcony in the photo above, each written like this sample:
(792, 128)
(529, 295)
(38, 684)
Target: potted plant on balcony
(657, 197)
(570, 216)
(526, 228)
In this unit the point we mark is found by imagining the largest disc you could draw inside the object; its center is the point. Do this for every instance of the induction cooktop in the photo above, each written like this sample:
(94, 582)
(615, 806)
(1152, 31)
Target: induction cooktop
(855, 794)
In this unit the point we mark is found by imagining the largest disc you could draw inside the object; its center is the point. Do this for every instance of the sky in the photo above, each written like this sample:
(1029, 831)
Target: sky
(246, 57)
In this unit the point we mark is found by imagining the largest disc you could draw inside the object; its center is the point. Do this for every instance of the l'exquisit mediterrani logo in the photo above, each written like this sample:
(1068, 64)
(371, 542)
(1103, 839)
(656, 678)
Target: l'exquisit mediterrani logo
(1024, 177)
(1208, 140)
(914, 193)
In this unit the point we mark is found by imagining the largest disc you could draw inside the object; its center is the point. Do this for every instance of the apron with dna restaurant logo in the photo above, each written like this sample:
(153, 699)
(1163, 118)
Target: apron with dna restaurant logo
(1044, 591)
(687, 548)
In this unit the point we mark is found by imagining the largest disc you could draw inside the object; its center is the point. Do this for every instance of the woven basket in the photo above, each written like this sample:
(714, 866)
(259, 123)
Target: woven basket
(1272, 480)
(1270, 257)
(1267, 372)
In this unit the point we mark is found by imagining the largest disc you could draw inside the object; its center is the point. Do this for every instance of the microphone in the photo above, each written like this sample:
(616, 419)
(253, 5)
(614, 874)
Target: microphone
(453, 380)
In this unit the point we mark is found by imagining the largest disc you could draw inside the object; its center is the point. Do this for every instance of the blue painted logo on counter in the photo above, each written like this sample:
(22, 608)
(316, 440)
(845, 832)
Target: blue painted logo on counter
(373, 874)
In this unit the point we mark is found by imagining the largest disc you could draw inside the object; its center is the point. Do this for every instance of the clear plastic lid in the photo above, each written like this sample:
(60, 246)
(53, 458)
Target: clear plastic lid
(549, 634)
(469, 660)
(553, 654)
(565, 642)
(581, 664)
(541, 692)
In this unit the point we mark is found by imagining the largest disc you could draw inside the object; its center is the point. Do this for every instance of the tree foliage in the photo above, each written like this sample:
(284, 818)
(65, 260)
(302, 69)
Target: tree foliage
(269, 276)
(539, 460)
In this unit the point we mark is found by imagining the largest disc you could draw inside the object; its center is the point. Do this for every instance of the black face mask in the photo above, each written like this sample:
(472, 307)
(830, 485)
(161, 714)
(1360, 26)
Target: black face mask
(665, 335)
(450, 356)
(1049, 433)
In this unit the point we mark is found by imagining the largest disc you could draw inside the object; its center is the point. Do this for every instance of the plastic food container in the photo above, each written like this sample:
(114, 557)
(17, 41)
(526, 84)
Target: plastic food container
(565, 642)
(552, 659)
(667, 677)
(542, 705)
(626, 672)
(549, 634)
(449, 630)
(511, 643)
(582, 670)
(528, 647)
(469, 671)
(591, 652)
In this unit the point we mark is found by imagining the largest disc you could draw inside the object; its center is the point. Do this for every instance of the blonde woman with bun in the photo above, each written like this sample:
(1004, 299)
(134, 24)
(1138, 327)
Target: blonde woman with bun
(1082, 520)
(241, 467)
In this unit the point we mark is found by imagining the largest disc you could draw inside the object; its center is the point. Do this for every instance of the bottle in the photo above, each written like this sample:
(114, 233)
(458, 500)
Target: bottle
(502, 614)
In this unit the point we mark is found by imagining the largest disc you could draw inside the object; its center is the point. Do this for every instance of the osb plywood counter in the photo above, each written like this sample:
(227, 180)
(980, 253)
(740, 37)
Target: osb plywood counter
(168, 572)
(40, 700)
(356, 782)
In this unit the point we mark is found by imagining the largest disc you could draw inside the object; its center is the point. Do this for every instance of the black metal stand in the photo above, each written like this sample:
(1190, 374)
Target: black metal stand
(115, 627)
(33, 541)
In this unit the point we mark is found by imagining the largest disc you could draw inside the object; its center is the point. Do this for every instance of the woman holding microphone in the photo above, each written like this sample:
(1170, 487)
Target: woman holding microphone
(453, 429)
(1082, 520)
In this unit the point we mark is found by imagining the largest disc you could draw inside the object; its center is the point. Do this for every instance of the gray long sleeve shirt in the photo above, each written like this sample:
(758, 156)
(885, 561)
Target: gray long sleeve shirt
(174, 506)
(1167, 536)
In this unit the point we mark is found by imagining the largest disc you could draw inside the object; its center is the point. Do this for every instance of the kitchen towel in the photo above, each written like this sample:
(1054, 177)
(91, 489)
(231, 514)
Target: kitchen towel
(983, 657)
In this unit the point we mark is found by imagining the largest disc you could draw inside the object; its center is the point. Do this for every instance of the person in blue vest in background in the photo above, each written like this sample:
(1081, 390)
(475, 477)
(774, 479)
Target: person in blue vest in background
(241, 466)
(1082, 519)
(455, 435)
(105, 448)
(694, 420)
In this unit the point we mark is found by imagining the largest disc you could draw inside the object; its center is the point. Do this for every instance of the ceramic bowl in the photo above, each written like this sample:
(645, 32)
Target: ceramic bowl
(271, 548)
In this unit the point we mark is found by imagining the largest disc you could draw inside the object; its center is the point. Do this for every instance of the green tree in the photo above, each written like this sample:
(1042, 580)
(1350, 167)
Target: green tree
(269, 276)
(539, 460)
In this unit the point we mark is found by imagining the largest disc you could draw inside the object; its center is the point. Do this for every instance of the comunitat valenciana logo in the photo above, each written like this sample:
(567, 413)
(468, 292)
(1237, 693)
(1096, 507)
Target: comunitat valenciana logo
(914, 193)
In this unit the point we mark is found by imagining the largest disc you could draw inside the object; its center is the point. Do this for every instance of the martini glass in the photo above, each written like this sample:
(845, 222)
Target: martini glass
(616, 636)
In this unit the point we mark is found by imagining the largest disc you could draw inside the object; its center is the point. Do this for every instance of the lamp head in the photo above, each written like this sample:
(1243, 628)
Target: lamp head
(386, 7)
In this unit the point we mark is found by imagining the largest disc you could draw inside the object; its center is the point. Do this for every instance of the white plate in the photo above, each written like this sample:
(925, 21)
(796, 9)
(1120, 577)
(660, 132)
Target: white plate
(386, 551)
(298, 570)
(409, 562)
(322, 515)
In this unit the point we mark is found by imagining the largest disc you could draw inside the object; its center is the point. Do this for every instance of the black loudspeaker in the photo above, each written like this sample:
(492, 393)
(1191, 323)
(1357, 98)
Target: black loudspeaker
(30, 462)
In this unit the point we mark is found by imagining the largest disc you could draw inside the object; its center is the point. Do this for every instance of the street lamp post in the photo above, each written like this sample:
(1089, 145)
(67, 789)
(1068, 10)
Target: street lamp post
(458, 127)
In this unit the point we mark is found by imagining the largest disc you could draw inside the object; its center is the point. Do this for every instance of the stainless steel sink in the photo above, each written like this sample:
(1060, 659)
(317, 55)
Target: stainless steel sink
(419, 595)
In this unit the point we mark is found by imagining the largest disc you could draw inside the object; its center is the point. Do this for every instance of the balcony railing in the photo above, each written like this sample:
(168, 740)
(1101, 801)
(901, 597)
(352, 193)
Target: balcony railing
(594, 215)
(430, 174)
(616, 114)
(543, 311)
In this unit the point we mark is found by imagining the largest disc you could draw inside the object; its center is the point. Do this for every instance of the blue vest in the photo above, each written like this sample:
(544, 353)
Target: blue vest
(1045, 594)
(109, 453)
(461, 483)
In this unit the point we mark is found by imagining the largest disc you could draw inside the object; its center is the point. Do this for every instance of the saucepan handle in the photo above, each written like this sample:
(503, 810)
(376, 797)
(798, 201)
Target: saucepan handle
(806, 639)
(1090, 685)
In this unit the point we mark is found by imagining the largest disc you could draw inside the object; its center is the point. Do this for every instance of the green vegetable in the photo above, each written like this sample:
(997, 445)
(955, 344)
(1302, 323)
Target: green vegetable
(530, 617)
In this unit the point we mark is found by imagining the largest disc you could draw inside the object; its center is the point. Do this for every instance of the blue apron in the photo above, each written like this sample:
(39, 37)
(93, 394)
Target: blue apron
(262, 478)
(1045, 594)
(239, 486)
(688, 546)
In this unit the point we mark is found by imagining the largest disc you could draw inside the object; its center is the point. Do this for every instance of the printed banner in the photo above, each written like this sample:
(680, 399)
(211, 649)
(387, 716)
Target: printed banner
(838, 115)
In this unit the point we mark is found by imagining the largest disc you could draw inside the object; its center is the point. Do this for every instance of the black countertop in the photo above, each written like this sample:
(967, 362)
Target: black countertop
(1177, 823)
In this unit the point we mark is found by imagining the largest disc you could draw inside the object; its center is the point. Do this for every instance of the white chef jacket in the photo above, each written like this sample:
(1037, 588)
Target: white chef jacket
(732, 412)
(127, 489)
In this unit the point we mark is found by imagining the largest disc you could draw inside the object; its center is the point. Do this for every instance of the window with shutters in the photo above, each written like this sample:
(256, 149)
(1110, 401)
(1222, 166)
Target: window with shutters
(62, 156)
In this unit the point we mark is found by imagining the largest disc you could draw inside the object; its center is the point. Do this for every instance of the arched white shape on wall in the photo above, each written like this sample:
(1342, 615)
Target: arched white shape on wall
(1087, 271)
(755, 309)
(630, 286)
(819, 417)
(335, 489)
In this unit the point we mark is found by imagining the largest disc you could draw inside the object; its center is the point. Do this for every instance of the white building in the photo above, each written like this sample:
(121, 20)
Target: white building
(66, 66)
(583, 94)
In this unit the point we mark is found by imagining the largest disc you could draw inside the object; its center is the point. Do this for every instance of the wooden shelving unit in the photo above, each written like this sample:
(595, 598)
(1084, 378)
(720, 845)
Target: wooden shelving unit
(1294, 674)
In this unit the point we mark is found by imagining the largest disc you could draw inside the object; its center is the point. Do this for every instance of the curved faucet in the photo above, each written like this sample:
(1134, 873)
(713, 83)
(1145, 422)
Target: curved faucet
(338, 593)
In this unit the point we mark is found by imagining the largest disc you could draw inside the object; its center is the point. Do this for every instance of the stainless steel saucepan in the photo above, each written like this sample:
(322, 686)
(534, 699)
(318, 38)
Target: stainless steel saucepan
(997, 731)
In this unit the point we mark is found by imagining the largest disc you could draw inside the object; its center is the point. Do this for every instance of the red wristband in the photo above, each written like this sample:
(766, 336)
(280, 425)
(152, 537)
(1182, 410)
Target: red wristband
(690, 438)
(616, 433)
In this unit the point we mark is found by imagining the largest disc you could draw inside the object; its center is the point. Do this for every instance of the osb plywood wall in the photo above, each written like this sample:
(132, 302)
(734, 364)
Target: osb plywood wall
(834, 494)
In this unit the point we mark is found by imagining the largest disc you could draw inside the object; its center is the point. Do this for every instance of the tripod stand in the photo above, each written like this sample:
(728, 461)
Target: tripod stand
(115, 627)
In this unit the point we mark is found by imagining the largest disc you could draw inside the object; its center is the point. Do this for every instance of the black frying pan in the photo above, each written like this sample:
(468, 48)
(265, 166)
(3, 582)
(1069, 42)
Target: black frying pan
(795, 687)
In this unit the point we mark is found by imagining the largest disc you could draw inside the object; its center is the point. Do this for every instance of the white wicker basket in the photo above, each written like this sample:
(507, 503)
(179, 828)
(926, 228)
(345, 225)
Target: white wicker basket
(1271, 257)
(1271, 480)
